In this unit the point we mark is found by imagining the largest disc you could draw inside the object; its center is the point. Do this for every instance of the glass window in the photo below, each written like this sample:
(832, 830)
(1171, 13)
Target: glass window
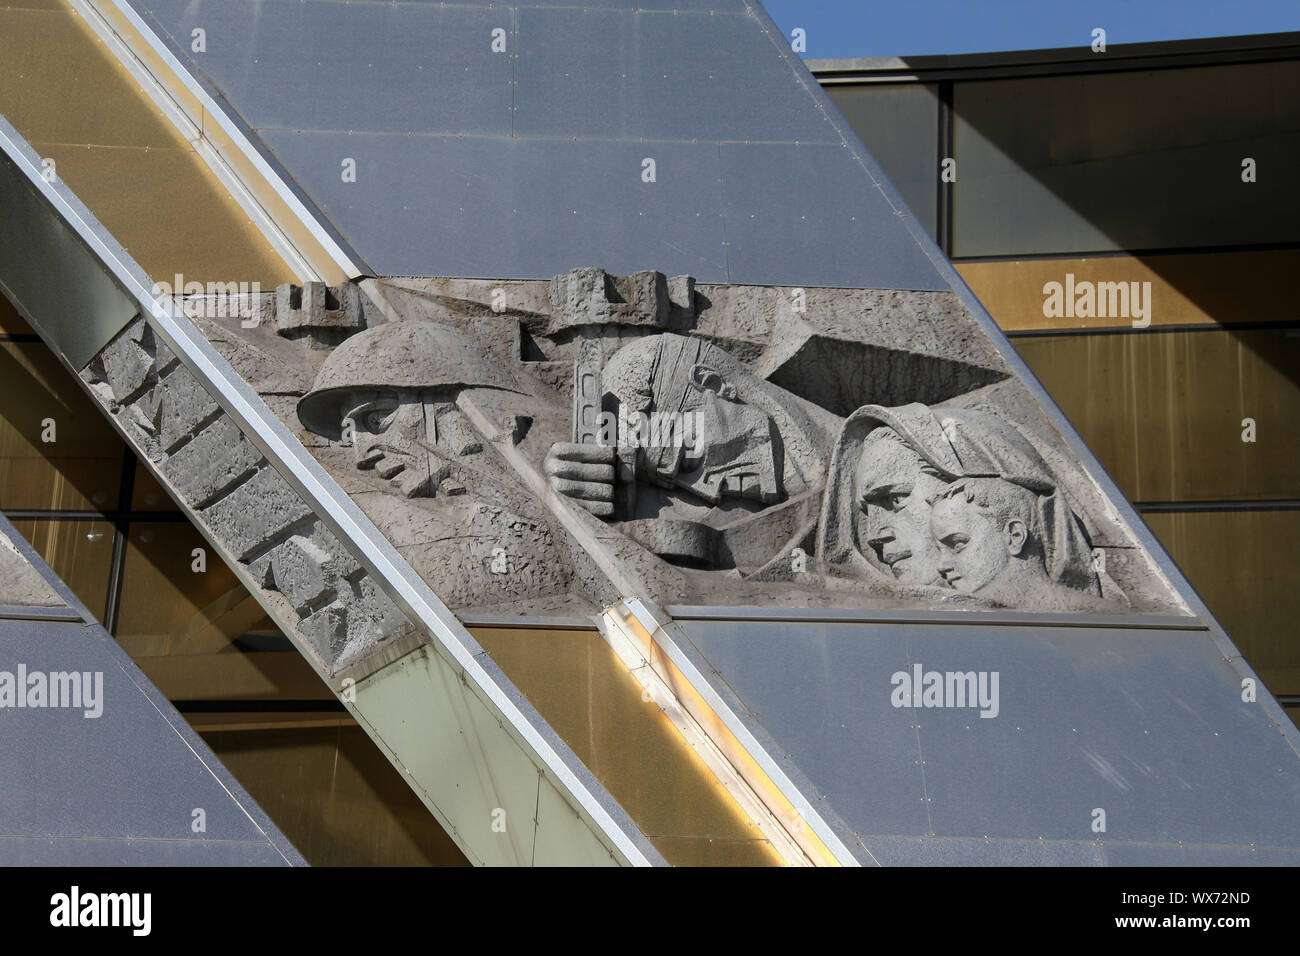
(1198, 288)
(334, 795)
(1140, 160)
(80, 552)
(1245, 565)
(56, 449)
(1164, 411)
(11, 323)
(899, 124)
(147, 494)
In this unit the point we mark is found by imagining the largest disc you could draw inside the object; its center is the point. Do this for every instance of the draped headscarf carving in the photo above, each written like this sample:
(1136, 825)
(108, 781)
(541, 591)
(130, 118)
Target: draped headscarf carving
(956, 443)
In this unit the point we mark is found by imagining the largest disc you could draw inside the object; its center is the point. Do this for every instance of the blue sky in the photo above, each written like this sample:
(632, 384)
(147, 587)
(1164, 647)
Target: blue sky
(845, 28)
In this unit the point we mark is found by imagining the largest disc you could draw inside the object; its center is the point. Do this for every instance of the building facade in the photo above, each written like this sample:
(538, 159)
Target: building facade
(1161, 383)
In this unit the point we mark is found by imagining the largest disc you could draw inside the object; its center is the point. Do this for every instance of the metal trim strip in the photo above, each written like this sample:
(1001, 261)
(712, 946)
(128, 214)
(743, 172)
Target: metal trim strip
(1156, 622)
(344, 259)
(657, 626)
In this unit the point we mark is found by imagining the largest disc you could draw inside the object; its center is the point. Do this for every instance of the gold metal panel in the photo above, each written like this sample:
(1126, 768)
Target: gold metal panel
(1245, 565)
(1164, 410)
(33, 5)
(170, 213)
(170, 85)
(79, 552)
(69, 97)
(234, 675)
(109, 13)
(704, 851)
(59, 85)
(1190, 289)
(82, 467)
(335, 796)
(583, 691)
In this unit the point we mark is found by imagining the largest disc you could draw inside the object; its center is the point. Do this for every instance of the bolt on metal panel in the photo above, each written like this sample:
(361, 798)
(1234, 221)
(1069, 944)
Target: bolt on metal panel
(483, 215)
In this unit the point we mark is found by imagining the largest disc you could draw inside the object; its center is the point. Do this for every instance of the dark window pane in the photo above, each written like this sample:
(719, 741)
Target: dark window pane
(198, 634)
(147, 494)
(334, 795)
(81, 468)
(1164, 410)
(80, 552)
(1245, 565)
(11, 323)
(1141, 160)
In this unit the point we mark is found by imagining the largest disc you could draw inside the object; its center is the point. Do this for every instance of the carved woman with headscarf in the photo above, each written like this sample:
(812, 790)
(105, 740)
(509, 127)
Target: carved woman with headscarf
(890, 466)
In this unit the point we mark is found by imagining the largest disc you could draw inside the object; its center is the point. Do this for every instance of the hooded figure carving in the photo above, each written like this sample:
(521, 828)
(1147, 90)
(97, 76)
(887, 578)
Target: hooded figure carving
(889, 466)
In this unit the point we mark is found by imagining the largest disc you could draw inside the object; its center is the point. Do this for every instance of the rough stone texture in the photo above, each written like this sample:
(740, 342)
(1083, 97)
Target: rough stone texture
(218, 457)
(343, 613)
(590, 296)
(243, 502)
(835, 355)
(372, 619)
(184, 407)
(255, 511)
(483, 488)
(304, 573)
(407, 357)
(21, 585)
(324, 314)
(127, 363)
(955, 499)
(327, 631)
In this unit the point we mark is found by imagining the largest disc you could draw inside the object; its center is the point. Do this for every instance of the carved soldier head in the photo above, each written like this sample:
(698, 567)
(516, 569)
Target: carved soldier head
(390, 393)
(703, 435)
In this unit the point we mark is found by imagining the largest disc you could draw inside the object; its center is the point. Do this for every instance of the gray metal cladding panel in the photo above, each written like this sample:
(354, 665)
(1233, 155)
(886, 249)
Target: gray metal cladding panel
(125, 774)
(698, 6)
(1126, 854)
(1147, 725)
(784, 202)
(610, 74)
(563, 122)
(329, 66)
(83, 852)
(489, 207)
(949, 851)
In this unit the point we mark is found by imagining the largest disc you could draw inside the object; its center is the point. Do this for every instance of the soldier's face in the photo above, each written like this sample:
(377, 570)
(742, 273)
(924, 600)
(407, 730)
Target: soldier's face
(388, 434)
(893, 492)
(733, 452)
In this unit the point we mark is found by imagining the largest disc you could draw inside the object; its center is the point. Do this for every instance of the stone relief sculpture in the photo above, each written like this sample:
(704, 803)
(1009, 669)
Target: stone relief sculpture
(951, 497)
(392, 398)
(600, 435)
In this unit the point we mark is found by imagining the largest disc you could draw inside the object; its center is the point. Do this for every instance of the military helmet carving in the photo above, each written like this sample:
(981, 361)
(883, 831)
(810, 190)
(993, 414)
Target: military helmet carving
(408, 356)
